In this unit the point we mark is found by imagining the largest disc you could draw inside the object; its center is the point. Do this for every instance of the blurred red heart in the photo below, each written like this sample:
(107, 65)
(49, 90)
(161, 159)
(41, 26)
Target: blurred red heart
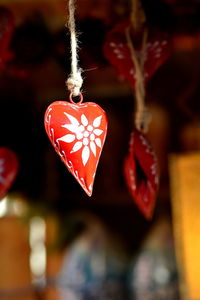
(6, 32)
(141, 173)
(8, 170)
(77, 132)
(117, 51)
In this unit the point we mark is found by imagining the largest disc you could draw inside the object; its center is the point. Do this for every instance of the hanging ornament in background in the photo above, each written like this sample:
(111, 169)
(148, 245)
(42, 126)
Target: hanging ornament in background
(77, 130)
(141, 173)
(6, 32)
(137, 54)
(8, 170)
(117, 52)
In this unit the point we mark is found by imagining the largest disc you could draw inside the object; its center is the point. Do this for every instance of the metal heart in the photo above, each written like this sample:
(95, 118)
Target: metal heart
(8, 170)
(141, 173)
(117, 51)
(77, 132)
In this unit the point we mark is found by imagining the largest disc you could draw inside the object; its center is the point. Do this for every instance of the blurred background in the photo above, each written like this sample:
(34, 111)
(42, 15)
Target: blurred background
(56, 242)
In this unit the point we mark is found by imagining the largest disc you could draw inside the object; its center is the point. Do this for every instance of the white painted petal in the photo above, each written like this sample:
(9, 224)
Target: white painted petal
(81, 128)
(85, 141)
(79, 136)
(93, 148)
(92, 137)
(86, 134)
(89, 128)
(85, 154)
(76, 147)
(98, 142)
(97, 121)
(84, 120)
(68, 138)
(71, 127)
(72, 119)
(98, 132)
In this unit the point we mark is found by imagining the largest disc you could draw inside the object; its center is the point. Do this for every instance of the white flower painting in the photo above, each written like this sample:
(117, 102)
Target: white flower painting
(85, 135)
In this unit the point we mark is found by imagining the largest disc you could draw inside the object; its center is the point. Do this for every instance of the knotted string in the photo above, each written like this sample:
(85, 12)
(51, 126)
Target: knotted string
(74, 82)
(142, 115)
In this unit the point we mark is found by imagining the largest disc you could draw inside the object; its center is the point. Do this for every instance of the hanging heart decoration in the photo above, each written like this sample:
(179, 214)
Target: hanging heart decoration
(6, 32)
(8, 170)
(117, 51)
(77, 132)
(141, 173)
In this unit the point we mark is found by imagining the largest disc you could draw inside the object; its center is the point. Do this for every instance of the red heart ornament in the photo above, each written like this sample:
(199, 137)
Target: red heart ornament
(117, 51)
(141, 173)
(77, 132)
(8, 170)
(6, 32)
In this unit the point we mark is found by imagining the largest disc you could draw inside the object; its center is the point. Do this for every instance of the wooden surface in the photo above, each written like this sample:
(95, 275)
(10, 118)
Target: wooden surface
(14, 257)
(185, 190)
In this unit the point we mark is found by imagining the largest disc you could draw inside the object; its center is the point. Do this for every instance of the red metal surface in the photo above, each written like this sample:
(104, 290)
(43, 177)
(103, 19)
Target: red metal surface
(77, 132)
(141, 173)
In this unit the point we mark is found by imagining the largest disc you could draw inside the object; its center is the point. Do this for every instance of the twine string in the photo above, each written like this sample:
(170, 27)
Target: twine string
(142, 115)
(137, 14)
(75, 81)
